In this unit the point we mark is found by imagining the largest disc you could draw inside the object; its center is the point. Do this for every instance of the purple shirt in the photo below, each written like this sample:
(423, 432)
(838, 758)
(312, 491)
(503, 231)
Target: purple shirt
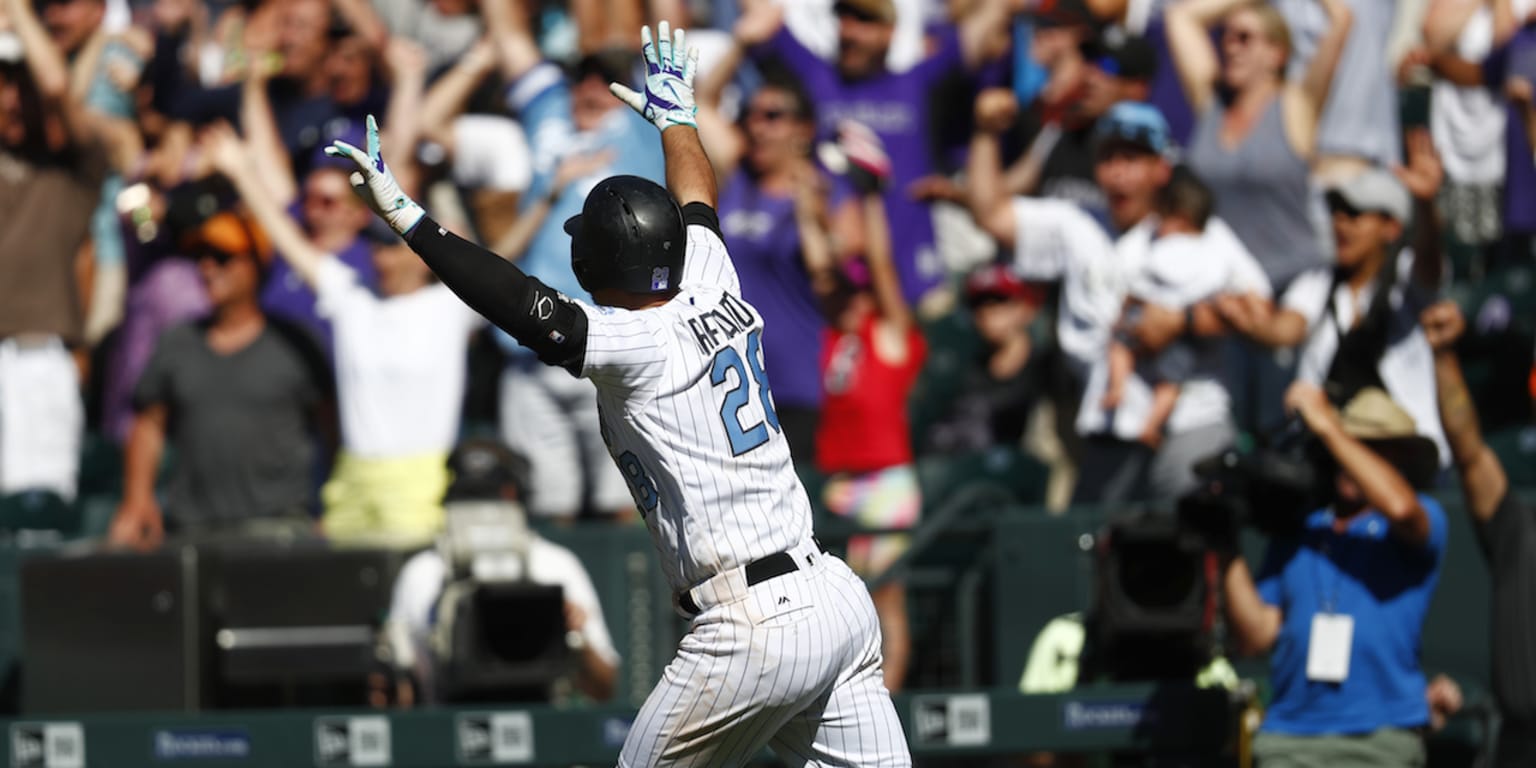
(286, 294)
(1517, 57)
(764, 242)
(895, 107)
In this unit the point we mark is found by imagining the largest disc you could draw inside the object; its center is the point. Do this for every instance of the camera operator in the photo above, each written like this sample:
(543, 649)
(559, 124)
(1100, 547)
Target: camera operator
(1341, 602)
(1506, 531)
(488, 540)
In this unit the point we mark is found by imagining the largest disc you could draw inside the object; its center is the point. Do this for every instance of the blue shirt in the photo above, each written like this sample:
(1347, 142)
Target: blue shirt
(542, 100)
(1385, 585)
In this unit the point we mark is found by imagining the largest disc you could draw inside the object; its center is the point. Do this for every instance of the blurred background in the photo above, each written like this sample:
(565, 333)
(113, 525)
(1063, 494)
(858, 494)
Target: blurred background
(253, 457)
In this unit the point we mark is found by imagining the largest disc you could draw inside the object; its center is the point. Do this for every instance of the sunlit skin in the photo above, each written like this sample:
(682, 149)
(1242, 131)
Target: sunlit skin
(302, 37)
(72, 22)
(1249, 54)
(777, 135)
(861, 46)
(591, 102)
(1130, 178)
(231, 283)
(349, 70)
(1362, 239)
(400, 270)
(331, 211)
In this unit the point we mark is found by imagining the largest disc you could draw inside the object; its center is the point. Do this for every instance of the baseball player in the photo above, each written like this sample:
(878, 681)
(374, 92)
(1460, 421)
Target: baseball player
(783, 648)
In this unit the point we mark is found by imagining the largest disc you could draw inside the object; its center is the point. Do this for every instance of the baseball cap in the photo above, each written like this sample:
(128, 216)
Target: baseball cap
(1374, 191)
(1374, 418)
(883, 11)
(1002, 282)
(482, 468)
(1120, 54)
(230, 233)
(1136, 123)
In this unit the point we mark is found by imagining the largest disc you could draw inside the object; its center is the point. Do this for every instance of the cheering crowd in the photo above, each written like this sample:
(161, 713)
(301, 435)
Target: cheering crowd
(1170, 226)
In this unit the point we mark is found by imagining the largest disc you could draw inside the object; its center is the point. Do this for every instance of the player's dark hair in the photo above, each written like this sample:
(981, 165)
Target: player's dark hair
(1186, 197)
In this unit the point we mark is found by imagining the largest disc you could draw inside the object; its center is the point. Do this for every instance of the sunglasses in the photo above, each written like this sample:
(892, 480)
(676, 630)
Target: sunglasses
(217, 256)
(768, 115)
(843, 9)
(1240, 36)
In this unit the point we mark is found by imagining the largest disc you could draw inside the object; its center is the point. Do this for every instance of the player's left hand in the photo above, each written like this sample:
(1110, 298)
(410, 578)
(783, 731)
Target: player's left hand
(376, 185)
(669, 69)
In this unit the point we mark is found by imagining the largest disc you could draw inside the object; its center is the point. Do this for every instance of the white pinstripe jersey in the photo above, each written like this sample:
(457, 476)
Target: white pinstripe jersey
(688, 417)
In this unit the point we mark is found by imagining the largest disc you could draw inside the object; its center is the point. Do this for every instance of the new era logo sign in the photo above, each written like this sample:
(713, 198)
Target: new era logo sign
(47, 745)
(352, 741)
(474, 738)
(498, 738)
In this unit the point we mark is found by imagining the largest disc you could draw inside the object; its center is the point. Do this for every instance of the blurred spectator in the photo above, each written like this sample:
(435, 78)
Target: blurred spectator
(859, 87)
(546, 414)
(333, 217)
(1341, 602)
(445, 29)
(871, 356)
(1364, 329)
(773, 201)
(1000, 388)
(1256, 134)
(1053, 239)
(1510, 69)
(238, 396)
(399, 369)
(51, 168)
(1119, 68)
(488, 541)
(1467, 121)
(486, 155)
(1358, 122)
(1506, 532)
(1182, 268)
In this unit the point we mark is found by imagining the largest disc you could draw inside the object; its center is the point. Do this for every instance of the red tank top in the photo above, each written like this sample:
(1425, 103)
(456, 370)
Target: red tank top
(864, 422)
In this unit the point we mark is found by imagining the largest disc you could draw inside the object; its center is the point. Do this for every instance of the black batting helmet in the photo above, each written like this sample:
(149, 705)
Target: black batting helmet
(629, 236)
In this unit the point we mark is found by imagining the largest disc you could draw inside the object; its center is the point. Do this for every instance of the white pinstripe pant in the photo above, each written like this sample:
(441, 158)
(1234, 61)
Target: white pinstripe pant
(792, 663)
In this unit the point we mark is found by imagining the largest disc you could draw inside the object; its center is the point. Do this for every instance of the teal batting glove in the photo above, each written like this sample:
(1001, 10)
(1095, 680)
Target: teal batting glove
(376, 185)
(669, 69)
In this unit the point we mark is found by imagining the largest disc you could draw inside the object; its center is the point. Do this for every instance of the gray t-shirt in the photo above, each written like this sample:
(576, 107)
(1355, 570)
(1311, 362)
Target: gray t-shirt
(240, 423)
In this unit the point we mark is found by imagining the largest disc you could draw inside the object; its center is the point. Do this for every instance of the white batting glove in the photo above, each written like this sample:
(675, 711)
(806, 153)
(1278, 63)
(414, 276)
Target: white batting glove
(669, 69)
(376, 185)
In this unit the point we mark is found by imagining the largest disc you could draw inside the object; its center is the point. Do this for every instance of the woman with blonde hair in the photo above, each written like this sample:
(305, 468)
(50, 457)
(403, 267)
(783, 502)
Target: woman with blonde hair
(1256, 133)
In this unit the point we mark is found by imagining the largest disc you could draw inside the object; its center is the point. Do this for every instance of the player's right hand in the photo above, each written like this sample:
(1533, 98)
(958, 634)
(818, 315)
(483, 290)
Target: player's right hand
(669, 69)
(376, 185)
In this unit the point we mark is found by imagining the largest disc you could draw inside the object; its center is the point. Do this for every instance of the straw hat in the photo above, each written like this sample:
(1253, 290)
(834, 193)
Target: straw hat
(1375, 419)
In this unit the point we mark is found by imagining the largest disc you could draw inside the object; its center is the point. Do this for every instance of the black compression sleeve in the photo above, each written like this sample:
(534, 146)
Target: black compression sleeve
(538, 316)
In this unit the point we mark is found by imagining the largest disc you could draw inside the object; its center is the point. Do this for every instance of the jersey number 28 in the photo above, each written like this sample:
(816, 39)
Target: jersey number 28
(744, 439)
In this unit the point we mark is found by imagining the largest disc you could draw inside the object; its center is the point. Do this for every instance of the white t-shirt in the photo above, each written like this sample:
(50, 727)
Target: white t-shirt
(1174, 272)
(1407, 368)
(1056, 240)
(491, 152)
(399, 364)
(420, 584)
(1467, 123)
(687, 415)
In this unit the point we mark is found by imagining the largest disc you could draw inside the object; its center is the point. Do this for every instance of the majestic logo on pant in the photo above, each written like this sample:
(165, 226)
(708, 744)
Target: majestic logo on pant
(783, 601)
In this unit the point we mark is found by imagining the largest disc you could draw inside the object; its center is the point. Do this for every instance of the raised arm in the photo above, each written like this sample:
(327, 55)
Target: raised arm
(1318, 80)
(506, 23)
(1383, 486)
(1188, 24)
(986, 196)
(446, 99)
(1483, 481)
(1422, 177)
(406, 64)
(490, 285)
(668, 102)
(45, 62)
(259, 125)
(237, 163)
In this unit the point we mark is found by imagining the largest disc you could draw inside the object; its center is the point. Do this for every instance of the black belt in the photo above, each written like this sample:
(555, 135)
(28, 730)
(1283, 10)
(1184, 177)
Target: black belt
(757, 571)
